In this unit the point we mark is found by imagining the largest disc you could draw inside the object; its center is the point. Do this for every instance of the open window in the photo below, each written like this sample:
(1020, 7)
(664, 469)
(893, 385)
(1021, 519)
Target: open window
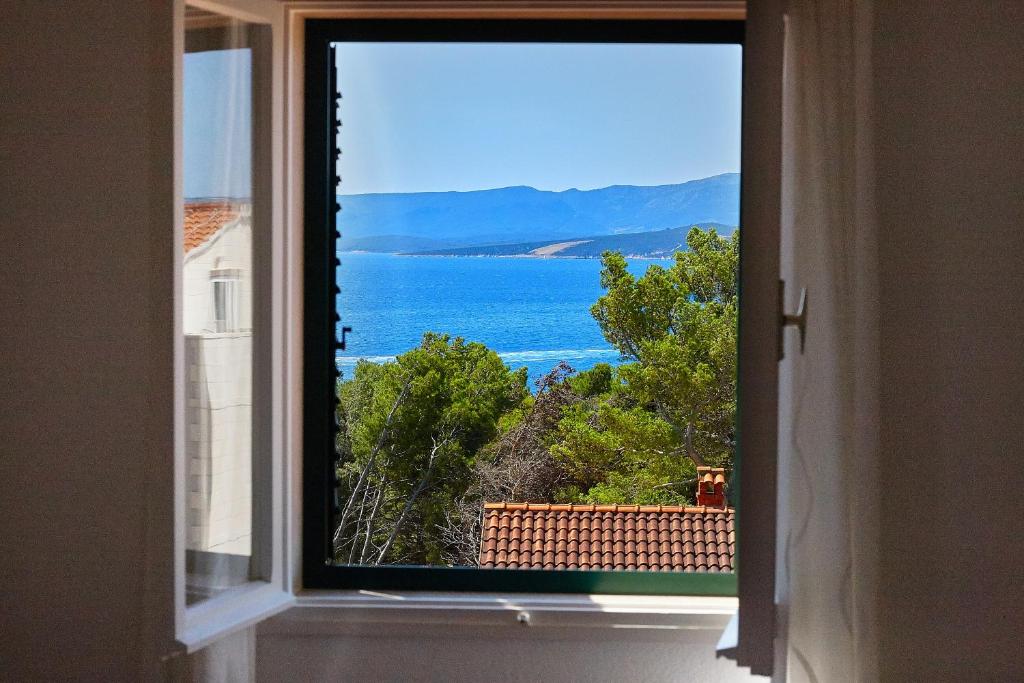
(216, 593)
(672, 533)
(230, 568)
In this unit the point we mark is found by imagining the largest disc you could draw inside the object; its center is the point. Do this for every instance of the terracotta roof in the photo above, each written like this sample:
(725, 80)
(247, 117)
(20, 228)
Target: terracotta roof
(649, 537)
(204, 219)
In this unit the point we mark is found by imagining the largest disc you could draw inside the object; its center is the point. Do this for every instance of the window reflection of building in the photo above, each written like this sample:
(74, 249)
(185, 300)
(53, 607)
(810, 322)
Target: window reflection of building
(217, 287)
(224, 281)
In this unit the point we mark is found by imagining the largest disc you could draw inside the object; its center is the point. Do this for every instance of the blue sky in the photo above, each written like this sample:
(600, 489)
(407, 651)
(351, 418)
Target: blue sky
(437, 117)
(216, 123)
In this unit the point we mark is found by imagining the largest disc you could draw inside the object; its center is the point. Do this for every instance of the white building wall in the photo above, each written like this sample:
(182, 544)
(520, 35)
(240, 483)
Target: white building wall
(231, 247)
(219, 399)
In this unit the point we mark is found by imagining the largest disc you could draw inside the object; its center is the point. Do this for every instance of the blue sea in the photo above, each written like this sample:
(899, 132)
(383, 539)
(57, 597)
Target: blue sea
(534, 312)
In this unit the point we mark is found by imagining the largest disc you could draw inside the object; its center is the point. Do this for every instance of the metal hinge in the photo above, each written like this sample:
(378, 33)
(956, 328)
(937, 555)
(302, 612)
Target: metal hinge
(799, 320)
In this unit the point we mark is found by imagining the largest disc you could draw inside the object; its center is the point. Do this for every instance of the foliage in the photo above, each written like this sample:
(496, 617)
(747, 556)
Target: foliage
(518, 466)
(411, 430)
(593, 382)
(427, 439)
(678, 325)
(621, 455)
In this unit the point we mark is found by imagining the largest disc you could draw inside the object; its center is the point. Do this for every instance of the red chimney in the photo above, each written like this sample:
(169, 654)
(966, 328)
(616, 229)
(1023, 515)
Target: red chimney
(711, 487)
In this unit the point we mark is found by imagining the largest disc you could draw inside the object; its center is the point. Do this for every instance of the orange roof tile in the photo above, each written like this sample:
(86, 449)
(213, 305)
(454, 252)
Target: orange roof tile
(204, 219)
(648, 537)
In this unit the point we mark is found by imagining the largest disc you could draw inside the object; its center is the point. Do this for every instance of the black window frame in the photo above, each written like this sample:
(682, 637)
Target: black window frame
(320, 315)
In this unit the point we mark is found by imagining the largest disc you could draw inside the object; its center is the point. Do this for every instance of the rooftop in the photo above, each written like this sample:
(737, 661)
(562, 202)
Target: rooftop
(644, 537)
(204, 219)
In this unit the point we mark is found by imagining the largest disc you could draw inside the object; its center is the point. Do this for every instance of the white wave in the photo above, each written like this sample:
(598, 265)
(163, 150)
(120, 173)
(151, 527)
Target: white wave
(556, 355)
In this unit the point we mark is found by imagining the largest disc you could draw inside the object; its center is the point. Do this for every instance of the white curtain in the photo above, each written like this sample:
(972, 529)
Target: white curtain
(829, 394)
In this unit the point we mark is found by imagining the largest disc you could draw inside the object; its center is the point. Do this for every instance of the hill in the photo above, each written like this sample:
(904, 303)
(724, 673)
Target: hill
(652, 244)
(400, 221)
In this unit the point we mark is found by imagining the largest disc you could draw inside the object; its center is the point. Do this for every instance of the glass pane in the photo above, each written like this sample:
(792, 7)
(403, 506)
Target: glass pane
(218, 298)
(539, 248)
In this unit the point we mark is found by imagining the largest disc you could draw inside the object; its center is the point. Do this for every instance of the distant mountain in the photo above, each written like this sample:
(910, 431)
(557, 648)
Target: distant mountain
(653, 244)
(524, 214)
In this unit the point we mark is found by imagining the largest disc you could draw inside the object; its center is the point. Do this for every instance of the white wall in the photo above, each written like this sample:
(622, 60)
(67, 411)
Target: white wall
(379, 652)
(218, 400)
(949, 91)
(945, 589)
(86, 457)
(229, 247)
(218, 417)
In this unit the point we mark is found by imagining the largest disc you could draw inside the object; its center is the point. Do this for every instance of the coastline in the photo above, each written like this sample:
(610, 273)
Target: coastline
(505, 256)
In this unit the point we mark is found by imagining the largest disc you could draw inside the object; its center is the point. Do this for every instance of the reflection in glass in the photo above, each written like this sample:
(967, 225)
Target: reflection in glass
(217, 302)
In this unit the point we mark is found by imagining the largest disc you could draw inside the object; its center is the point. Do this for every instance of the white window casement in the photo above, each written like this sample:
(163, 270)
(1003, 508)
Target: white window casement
(230, 568)
(270, 578)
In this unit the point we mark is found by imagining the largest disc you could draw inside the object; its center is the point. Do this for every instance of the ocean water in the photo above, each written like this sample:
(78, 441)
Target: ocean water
(533, 312)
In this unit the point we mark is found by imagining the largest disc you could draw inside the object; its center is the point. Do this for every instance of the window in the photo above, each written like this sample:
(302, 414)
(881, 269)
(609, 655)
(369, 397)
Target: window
(325, 512)
(226, 298)
(229, 549)
(243, 595)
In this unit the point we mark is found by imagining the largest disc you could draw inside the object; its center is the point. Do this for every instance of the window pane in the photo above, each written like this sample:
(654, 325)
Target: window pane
(218, 297)
(539, 245)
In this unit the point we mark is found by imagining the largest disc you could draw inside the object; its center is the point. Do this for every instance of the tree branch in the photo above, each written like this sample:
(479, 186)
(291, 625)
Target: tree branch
(382, 437)
(415, 494)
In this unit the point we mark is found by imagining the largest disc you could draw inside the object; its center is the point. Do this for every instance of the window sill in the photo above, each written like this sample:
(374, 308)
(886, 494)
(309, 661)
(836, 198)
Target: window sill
(230, 611)
(329, 612)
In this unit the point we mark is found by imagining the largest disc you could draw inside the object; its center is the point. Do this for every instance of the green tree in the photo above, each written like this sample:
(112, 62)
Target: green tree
(678, 326)
(593, 382)
(517, 466)
(410, 433)
(618, 454)
(426, 439)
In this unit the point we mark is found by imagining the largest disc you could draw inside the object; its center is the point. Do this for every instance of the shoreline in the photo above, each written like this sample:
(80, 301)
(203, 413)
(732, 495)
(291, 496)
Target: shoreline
(539, 257)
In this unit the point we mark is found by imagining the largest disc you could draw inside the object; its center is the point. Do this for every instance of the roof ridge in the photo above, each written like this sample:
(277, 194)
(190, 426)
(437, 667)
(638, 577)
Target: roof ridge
(610, 507)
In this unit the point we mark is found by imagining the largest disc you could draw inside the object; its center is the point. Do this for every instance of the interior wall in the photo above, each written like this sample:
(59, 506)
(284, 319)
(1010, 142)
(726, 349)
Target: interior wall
(85, 435)
(949, 94)
(434, 652)
(86, 349)
(946, 95)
